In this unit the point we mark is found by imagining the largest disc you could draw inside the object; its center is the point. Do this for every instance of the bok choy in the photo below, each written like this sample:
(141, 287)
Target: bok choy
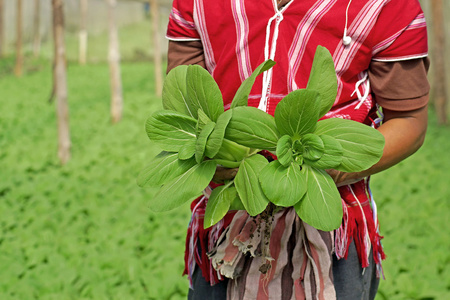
(196, 134)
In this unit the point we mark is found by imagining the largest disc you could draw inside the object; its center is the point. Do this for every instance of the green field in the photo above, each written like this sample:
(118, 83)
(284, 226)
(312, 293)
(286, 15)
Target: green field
(85, 231)
(414, 211)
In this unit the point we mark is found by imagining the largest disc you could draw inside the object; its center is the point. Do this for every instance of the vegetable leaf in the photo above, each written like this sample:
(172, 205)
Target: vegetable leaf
(247, 184)
(227, 163)
(164, 167)
(332, 155)
(187, 150)
(284, 150)
(321, 207)
(283, 186)
(219, 203)
(232, 151)
(323, 79)
(170, 129)
(174, 93)
(236, 204)
(202, 120)
(297, 113)
(241, 96)
(216, 138)
(313, 147)
(203, 93)
(362, 145)
(200, 146)
(183, 188)
(252, 128)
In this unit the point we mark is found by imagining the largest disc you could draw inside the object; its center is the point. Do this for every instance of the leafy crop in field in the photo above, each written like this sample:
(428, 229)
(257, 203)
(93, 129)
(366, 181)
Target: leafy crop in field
(196, 134)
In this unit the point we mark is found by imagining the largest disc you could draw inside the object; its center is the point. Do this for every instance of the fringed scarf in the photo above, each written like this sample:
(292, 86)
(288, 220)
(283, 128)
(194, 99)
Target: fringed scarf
(294, 262)
(299, 259)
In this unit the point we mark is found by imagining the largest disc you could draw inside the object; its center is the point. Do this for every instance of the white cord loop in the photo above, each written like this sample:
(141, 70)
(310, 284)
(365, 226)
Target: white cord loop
(361, 97)
(269, 53)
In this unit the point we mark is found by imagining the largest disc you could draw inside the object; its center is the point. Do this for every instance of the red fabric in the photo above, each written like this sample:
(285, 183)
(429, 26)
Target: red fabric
(398, 36)
(358, 220)
(181, 21)
(393, 28)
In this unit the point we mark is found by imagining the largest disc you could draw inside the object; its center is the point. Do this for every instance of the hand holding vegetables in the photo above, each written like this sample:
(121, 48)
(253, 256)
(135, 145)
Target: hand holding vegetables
(223, 174)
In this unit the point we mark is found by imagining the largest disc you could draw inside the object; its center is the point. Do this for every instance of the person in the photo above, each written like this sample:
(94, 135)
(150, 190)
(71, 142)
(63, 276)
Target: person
(379, 48)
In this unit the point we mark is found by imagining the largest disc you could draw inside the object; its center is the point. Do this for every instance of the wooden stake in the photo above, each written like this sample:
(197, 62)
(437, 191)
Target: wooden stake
(37, 29)
(154, 9)
(440, 90)
(19, 54)
(60, 80)
(2, 29)
(82, 55)
(114, 65)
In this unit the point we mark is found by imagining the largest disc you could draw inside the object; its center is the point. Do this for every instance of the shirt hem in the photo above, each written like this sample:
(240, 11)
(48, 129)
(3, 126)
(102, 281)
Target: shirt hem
(181, 39)
(400, 58)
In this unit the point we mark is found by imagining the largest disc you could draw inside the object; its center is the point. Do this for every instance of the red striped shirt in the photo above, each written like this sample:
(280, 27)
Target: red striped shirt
(233, 34)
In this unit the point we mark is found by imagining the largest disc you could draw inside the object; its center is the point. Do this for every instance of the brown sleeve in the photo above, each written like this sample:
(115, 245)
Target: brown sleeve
(400, 85)
(185, 53)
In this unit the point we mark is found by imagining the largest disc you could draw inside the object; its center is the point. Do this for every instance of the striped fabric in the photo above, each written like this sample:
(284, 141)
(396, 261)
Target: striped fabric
(242, 29)
(417, 24)
(296, 265)
(233, 33)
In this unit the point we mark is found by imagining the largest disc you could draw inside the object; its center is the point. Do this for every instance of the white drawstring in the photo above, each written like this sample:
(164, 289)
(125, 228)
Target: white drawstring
(362, 98)
(345, 38)
(267, 76)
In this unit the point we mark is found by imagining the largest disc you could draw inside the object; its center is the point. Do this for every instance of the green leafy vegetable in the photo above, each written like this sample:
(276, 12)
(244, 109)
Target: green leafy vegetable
(284, 186)
(313, 147)
(215, 141)
(164, 167)
(321, 206)
(297, 113)
(231, 153)
(219, 203)
(236, 204)
(187, 150)
(252, 128)
(198, 134)
(203, 92)
(247, 184)
(202, 120)
(332, 154)
(285, 150)
(174, 94)
(200, 146)
(241, 96)
(170, 129)
(362, 146)
(185, 187)
(323, 79)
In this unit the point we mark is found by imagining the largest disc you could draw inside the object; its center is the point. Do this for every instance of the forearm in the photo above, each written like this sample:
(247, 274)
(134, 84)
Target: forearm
(404, 133)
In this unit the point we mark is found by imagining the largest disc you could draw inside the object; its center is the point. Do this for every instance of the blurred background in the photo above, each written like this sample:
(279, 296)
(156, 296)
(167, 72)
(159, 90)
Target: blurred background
(74, 224)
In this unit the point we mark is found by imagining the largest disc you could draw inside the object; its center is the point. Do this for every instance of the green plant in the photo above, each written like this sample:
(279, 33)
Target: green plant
(196, 135)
